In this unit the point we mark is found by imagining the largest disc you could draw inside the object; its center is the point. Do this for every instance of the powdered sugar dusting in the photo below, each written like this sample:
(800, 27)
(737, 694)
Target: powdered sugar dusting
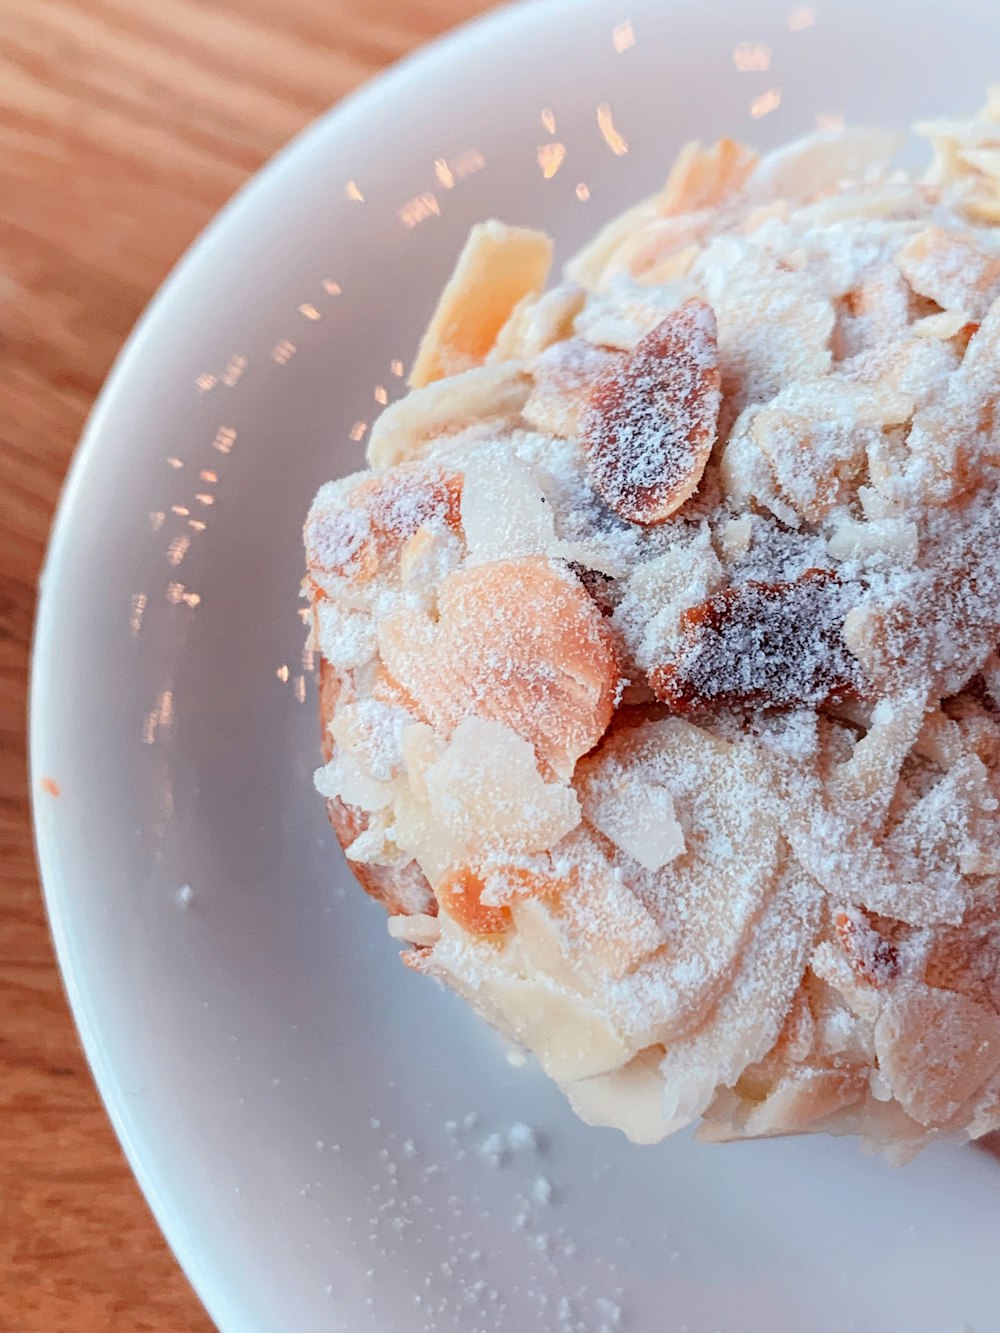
(559, 1282)
(665, 647)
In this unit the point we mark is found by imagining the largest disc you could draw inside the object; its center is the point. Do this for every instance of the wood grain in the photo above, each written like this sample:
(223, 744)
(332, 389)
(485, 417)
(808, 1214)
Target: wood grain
(124, 126)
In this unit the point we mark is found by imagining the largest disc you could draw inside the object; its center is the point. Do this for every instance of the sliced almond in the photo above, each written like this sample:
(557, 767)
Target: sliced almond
(537, 322)
(947, 324)
(589, 264)
(564, 377)
(413, 426)
(936, 1049)
(706, 900)
(770, 645)
(874, 959)
(497, 268)
(367, 520)
(653, 252)
(340, 544)
(653, 419)
(983, 210)
(400, 503)
(955, 270)
(775, 320)
(705, 177)
(749, 1017)
(519, 641)
(819, 162)
(420, 929)
(802, 1099)
(629, 1099)
(459, 896)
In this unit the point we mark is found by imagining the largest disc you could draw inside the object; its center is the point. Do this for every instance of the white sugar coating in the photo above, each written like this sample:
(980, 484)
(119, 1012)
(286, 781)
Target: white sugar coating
(541, 1190)
(521, 1137)
(610, 1312)
(563, 375)
(487, 789)
(666, 639)
(346, 638)
(789, 338)
(504, 510)
(638, 816)
(493, 1149)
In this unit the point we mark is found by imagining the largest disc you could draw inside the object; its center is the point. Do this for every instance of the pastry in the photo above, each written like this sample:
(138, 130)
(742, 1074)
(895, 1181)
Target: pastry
(659, 681)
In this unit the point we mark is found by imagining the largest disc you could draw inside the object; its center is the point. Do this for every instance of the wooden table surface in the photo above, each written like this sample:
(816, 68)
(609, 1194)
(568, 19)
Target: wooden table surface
(124, 126)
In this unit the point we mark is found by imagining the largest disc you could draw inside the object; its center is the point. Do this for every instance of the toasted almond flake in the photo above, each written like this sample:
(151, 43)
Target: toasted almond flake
(935, 1049)
(515, 640)
(459, 896)
(588, 264)
(639, 818)
(536, 323)
(947, 324)
(410, 427)
(419, 929)
(652, 420)
(705, 177)
(821, 161)
(498, 266)
(874, 958)
(564, 377)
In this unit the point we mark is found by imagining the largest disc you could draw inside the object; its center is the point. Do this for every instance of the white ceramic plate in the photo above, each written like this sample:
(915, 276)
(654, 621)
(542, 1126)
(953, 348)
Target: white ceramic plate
(310, 1122)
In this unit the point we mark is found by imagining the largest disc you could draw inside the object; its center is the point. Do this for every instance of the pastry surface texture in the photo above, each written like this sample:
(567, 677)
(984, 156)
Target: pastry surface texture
(659, 677)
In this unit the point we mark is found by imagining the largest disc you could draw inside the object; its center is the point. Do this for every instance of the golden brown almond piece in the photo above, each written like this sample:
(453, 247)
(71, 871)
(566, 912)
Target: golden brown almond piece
(459, 895)
(705, 177)
(936, 1049)
(538, 322)
(498, 266)
(875, 959)
(769, 645)
(340, 544)
(652, 420)
(589, 265)
(402, 502)
(516, 641)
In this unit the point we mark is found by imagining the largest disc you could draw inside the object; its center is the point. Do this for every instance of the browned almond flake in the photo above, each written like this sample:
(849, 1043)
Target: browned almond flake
(771, 645)
(652, 420)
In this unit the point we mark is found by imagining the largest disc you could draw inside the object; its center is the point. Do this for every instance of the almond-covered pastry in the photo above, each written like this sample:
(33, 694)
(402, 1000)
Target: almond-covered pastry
(659, 646)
